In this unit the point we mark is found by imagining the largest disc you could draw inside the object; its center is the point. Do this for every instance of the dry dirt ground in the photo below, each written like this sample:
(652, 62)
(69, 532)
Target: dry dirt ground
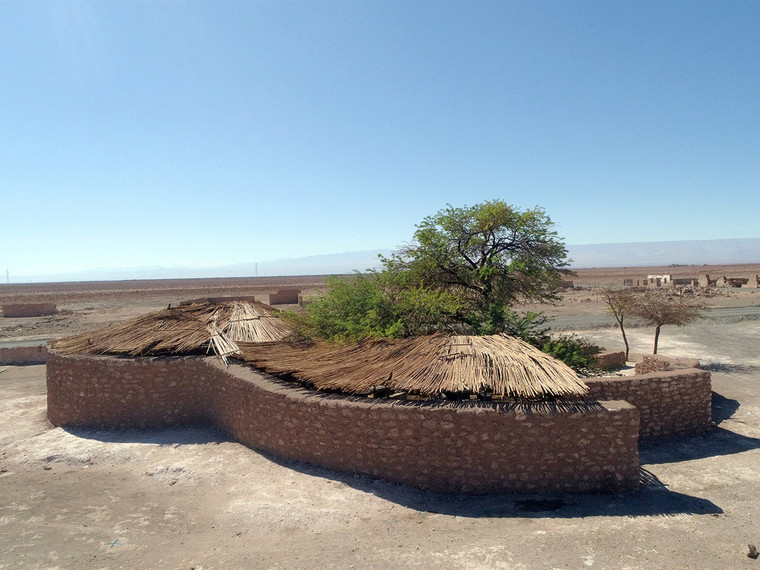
(192, 498)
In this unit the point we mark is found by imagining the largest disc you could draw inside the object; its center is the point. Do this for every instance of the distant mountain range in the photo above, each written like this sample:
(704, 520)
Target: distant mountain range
(327, 264)
(663, 253)
(696, 252)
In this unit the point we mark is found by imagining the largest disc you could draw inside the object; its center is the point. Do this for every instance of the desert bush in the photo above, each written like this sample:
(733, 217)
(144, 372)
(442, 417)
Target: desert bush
(375, 304)
(461, 273)
(575, 351)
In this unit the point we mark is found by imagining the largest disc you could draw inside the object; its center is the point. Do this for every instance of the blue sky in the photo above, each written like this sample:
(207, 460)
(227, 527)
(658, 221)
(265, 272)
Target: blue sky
(210, 133)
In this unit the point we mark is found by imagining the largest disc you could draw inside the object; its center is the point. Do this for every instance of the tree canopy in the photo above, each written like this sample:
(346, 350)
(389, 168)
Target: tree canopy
(621, 303)
(657, 309)
(462, 271)
(489, 256)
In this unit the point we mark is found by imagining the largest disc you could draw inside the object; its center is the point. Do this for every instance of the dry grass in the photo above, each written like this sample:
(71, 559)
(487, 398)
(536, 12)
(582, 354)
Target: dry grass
(430, 366)
(187, 329)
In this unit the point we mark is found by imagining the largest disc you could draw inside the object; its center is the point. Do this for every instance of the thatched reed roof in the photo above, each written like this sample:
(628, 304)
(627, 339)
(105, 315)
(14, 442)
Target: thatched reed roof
(187, 329)
(430, 366)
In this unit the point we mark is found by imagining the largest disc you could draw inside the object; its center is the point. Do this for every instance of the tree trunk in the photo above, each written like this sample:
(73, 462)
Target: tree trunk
(625, 340)
(656, 337)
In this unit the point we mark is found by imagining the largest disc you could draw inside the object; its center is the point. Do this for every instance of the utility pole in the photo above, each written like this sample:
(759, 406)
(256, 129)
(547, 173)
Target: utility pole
(256, 269)
(7, 276)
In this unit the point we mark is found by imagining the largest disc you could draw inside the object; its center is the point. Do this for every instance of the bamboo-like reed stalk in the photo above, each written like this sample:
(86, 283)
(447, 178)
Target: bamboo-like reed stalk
(187, 329)
(430, 366)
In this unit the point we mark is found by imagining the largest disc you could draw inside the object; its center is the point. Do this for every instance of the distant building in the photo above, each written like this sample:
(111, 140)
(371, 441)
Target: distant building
(658, 280)
(685, 281)
(284, 297)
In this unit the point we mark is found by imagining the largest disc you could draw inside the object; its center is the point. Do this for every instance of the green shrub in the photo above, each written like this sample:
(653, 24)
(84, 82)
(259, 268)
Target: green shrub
(376, 304)
(577, 352)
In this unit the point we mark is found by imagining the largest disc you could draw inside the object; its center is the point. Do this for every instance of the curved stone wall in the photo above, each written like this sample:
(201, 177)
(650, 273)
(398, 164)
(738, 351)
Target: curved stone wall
(470, 447)
(670, 402)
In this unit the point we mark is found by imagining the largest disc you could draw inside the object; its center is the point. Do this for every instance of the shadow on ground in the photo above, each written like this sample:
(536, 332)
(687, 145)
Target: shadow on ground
(723, 408)
(169, 436)
(724, 368)
(715, 443)
(652, 499)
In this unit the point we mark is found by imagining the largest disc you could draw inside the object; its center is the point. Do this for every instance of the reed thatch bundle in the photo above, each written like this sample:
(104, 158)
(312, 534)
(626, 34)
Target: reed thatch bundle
(430, 366)
(187, 329)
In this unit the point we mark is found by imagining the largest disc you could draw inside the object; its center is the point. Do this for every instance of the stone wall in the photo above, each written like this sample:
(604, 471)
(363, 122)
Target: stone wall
(23, 355)
(611, 359)
(658, 362)
(670, 402)
(468, 447)
(126, 393)
(29, 309)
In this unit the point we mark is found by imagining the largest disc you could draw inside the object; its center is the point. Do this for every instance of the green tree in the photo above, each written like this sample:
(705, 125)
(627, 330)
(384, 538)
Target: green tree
(657, 309)
(461, 273)
(489, 256)
(621, 303)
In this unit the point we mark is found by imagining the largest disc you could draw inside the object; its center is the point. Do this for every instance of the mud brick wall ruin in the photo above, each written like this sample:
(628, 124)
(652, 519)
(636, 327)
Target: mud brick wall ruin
(23, 355)
(284, 297)
(467, 447)
(29, 309)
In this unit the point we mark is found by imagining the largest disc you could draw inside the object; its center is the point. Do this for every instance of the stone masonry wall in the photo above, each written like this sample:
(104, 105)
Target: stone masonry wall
(610, 359)
(125, 393)
(658, 362)
(446, 447)
(670, 403)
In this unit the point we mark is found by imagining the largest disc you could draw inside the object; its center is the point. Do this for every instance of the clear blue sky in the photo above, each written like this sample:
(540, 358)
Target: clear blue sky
(206, 133)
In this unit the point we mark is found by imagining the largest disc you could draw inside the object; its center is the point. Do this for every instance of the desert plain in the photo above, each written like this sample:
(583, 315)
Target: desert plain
(190, 497)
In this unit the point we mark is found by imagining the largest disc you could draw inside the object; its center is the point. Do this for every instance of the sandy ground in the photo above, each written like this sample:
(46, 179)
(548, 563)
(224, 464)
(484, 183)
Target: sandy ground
(191, 498)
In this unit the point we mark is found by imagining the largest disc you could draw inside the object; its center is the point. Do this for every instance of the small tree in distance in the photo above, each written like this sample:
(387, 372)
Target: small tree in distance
(621, 303)
(657, 309)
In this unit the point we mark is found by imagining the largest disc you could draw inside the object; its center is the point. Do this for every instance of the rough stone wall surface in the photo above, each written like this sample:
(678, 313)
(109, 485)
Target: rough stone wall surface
(29, 310)
(670, 403)
(657, 362)
(470, 448)
(126, 393)
(611, 358)
(23, 355)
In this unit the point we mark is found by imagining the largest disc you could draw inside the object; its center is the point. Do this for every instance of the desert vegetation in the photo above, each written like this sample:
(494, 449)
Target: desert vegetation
(461, 273)
(652, 307)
